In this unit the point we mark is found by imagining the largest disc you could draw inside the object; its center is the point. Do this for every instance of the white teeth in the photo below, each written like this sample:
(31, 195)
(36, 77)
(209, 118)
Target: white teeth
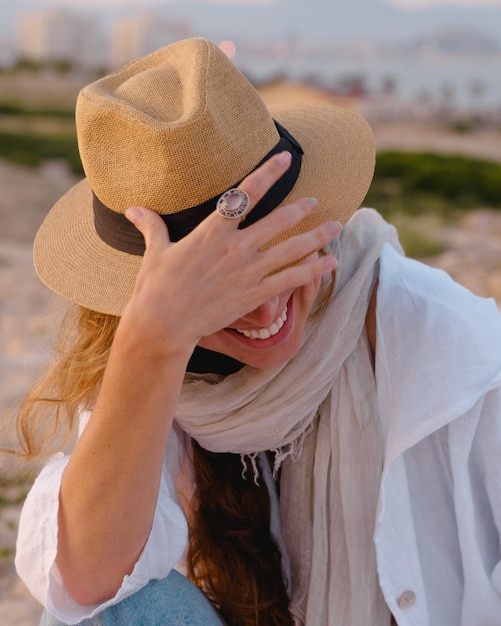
(266, 333)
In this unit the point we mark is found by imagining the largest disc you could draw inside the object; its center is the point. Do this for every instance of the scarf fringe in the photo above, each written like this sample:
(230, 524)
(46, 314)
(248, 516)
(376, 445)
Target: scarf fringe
(291, 451)
(255, 470)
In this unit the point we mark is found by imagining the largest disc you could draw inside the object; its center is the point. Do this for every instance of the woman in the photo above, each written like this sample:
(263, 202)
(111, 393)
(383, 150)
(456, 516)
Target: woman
(307, 447)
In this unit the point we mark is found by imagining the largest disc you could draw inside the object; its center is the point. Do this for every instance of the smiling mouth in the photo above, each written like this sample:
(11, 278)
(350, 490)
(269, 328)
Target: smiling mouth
(266, 333)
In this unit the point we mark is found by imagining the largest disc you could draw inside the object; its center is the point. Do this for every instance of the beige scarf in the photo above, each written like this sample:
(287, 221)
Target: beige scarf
(331, 465)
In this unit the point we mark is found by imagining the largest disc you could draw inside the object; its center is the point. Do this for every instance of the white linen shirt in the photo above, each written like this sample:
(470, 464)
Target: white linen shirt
(437, 539)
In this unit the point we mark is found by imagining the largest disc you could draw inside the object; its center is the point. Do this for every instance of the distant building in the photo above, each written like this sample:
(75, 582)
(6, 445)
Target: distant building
(138, 35)
(56, 35)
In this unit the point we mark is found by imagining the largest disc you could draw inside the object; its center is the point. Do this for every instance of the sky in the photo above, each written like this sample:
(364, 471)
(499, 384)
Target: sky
(404, 4)
(421, 4)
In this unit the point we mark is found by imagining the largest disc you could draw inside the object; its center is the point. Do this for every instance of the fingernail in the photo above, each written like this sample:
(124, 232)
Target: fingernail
(134, 214)
(312, 202)
(284, 158)
(330, 262)
(334, 228)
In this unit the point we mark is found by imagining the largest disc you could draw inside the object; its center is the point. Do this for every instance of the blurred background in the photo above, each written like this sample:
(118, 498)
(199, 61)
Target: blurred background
(426, 74)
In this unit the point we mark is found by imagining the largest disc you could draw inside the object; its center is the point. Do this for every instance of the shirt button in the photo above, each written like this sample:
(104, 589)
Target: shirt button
(406, 600)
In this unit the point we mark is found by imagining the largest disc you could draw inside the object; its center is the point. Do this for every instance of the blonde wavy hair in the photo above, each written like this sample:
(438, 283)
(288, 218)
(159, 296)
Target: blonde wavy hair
(47, 417)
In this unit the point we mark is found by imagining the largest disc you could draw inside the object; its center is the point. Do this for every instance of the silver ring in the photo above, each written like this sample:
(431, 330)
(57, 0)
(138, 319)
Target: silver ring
(233, 204)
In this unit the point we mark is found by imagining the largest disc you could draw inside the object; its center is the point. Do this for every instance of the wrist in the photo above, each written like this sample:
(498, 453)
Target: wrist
(137, 336)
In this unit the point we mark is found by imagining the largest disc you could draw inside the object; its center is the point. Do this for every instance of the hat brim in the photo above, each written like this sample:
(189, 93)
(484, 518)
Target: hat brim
(337, 168)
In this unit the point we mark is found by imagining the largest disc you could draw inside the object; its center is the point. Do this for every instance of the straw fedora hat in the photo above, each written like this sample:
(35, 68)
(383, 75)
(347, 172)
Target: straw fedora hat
(172, 131)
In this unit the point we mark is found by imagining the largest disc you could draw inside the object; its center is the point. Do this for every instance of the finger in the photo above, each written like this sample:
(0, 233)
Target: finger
(258, 183)
(298, 247)
(150, 225)
(302, 274)
(280, 221)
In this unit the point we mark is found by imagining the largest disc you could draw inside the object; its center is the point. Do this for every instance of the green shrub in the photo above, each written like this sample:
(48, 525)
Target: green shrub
(32, 150)
(14, 108)
(11, 108)
(419, 183)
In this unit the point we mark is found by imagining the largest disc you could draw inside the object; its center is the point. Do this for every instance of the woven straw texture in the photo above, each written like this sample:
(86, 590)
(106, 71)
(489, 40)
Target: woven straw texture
(170, 131)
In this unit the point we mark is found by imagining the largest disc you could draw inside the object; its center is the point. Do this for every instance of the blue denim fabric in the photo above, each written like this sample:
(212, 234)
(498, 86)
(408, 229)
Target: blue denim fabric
(173, 601)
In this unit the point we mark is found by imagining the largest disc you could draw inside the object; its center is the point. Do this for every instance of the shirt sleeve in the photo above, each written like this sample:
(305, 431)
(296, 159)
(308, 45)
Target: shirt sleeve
(480, 523)
(37, 541)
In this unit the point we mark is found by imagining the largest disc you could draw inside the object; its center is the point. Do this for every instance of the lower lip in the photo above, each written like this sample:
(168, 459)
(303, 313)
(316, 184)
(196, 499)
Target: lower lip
(259, 344)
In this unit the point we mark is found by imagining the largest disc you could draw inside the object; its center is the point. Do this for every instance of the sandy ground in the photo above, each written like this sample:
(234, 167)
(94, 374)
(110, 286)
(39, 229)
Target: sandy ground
(28, 310)
(482, 143)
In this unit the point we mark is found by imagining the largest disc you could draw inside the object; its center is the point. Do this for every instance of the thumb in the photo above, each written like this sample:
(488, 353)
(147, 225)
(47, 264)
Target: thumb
(150, 225)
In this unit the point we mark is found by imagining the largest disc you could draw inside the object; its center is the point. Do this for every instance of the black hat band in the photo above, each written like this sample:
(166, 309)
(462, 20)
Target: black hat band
(118, 232)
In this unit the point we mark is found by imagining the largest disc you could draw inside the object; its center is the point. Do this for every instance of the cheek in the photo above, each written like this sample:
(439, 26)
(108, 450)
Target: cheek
(213, 342)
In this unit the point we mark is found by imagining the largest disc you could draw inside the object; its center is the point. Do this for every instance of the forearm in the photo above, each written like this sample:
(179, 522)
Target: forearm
(109, 489)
